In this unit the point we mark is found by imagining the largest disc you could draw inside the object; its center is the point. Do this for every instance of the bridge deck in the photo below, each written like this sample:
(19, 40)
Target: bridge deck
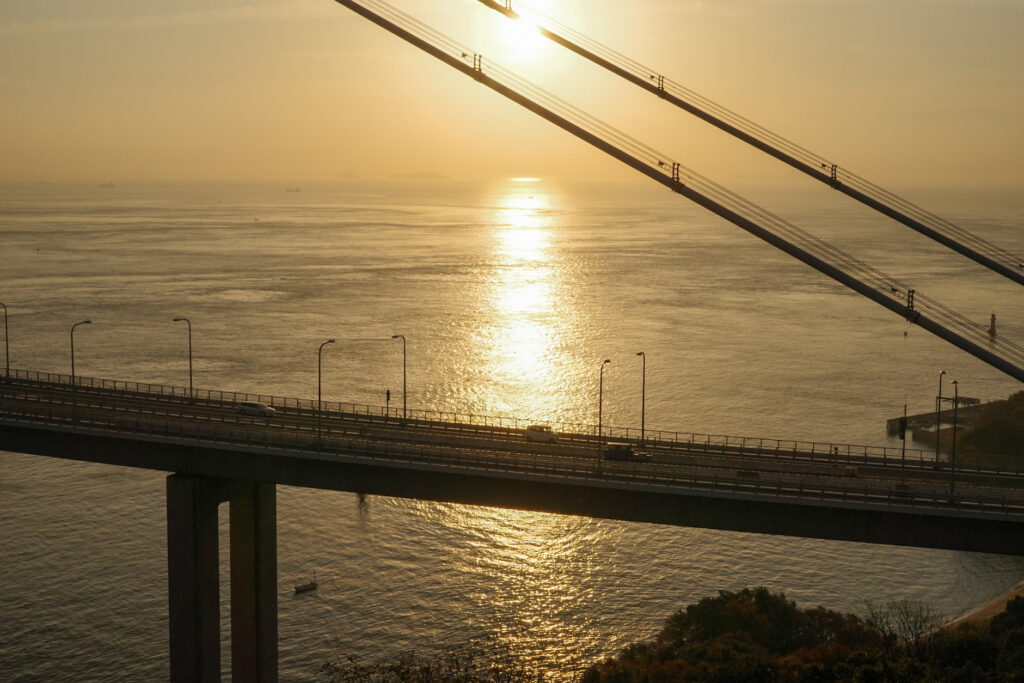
(735, 487)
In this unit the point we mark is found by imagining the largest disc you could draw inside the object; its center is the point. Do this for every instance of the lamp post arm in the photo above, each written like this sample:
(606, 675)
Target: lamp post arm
(7, 345)
(938, 418)
(600, 397)
(643, 391)
(405, 412)
(82, 322)
(189, 324)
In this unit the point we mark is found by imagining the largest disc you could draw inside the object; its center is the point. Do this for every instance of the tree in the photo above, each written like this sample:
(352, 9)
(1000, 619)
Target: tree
(998, 429)
(1007, 629)
(489, 661)
(903, 625)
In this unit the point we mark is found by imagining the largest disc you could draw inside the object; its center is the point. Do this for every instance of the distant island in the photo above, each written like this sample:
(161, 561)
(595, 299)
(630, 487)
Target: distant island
(754, 635)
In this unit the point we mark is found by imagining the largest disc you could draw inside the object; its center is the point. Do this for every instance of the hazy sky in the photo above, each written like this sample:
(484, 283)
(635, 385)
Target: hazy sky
(904, 92)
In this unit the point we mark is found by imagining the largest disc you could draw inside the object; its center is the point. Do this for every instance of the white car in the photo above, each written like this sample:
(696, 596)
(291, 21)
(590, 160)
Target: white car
(540, 434)
(255, 408)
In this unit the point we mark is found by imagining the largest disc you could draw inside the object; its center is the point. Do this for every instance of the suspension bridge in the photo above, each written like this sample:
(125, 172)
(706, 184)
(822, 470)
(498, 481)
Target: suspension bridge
(216, 455)
(814, 165)
(971, 336)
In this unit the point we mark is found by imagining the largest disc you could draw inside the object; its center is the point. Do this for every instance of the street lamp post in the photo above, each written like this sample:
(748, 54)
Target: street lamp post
(643, 392)
(600, 396)
(903, 444)
(319, 404)
(74, 384)
(952, 461)
(191, 395)
(7, 346)
(84, 322)
(404, 385)
(938, 418)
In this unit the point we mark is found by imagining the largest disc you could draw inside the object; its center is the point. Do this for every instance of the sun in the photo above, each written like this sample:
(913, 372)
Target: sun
(521, 39)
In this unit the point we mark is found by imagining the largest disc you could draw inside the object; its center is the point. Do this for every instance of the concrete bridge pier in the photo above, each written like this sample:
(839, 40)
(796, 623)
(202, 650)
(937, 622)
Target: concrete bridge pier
(193, 564)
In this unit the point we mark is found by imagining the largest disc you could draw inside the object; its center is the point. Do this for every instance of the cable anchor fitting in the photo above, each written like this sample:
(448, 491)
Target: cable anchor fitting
(911, 314)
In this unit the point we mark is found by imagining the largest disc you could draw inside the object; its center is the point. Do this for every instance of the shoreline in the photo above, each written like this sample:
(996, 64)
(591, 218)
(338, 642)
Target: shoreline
(985, 612)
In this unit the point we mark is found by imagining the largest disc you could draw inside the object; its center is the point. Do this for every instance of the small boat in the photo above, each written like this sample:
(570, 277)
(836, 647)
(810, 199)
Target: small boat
(306, 587)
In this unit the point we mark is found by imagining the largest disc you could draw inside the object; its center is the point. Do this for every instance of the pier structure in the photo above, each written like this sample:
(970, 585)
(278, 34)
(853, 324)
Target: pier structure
(921, 426)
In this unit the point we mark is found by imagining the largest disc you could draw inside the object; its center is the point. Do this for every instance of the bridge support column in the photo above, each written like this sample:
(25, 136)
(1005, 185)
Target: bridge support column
(192, 577)
(193, 564)
(253, 582)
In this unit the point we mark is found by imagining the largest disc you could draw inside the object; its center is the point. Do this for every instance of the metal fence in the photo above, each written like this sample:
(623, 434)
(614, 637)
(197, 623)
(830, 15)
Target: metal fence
(824, 451)
(176, 423)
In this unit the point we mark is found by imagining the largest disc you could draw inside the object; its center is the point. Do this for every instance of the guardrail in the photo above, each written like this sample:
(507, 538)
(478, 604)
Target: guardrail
(178, 423)
(824, 451)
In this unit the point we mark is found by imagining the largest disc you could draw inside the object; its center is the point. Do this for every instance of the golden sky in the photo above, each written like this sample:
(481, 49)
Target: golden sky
(904, 92)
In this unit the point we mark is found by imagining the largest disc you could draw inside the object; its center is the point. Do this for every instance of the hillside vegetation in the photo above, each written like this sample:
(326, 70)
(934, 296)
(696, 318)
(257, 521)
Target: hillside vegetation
(755, 635)
(750, 635)
(998, 429)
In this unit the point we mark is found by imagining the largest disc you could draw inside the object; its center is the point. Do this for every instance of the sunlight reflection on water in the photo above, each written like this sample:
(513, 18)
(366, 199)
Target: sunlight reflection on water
(510, 296)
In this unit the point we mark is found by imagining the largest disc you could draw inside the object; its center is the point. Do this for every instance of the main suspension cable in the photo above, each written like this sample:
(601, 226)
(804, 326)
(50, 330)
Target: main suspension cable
(816, 166)
(815, 252)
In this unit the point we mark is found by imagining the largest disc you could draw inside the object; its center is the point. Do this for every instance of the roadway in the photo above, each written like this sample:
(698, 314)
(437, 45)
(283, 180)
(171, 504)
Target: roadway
(735, 470)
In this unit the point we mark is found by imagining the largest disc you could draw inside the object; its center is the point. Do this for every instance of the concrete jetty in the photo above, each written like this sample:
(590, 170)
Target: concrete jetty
(921, 427)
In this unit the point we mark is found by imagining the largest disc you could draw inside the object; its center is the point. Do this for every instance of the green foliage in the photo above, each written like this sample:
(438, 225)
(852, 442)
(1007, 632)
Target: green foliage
(767, 619)
(475, 662)
(1009, 620)
(752, 635)
(998, 429)
(954, 649)
(1007, 630)
(746, 635)
(756, 635)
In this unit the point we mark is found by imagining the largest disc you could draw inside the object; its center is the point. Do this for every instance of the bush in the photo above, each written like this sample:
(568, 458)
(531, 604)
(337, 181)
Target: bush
(998, 429)
(746, 635)
(751, 635)
(953, 648)
(476, 662)
(756, 635)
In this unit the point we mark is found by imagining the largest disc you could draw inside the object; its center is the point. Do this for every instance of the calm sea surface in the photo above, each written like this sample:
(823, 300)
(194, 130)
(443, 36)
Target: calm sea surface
(510, 295)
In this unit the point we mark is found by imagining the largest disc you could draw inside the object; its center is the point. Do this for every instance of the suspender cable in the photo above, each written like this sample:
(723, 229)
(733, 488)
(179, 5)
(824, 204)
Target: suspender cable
(816, 166)
(815, 252)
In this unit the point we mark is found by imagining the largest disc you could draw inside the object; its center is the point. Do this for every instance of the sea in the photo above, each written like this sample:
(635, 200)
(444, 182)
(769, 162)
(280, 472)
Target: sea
(510, 293)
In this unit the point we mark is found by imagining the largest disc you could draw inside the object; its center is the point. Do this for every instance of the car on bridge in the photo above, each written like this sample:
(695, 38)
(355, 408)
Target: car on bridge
(255, 408)
(614, 450)
(540, 434)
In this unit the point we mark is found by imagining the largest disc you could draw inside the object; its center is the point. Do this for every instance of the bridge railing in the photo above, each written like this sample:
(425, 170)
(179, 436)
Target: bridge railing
(708, 443)
(331, 443)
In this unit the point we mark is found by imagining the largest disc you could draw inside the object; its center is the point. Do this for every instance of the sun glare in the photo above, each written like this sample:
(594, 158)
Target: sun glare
(540, 569)
(523, 219)
(523, 329)
(521, 39)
